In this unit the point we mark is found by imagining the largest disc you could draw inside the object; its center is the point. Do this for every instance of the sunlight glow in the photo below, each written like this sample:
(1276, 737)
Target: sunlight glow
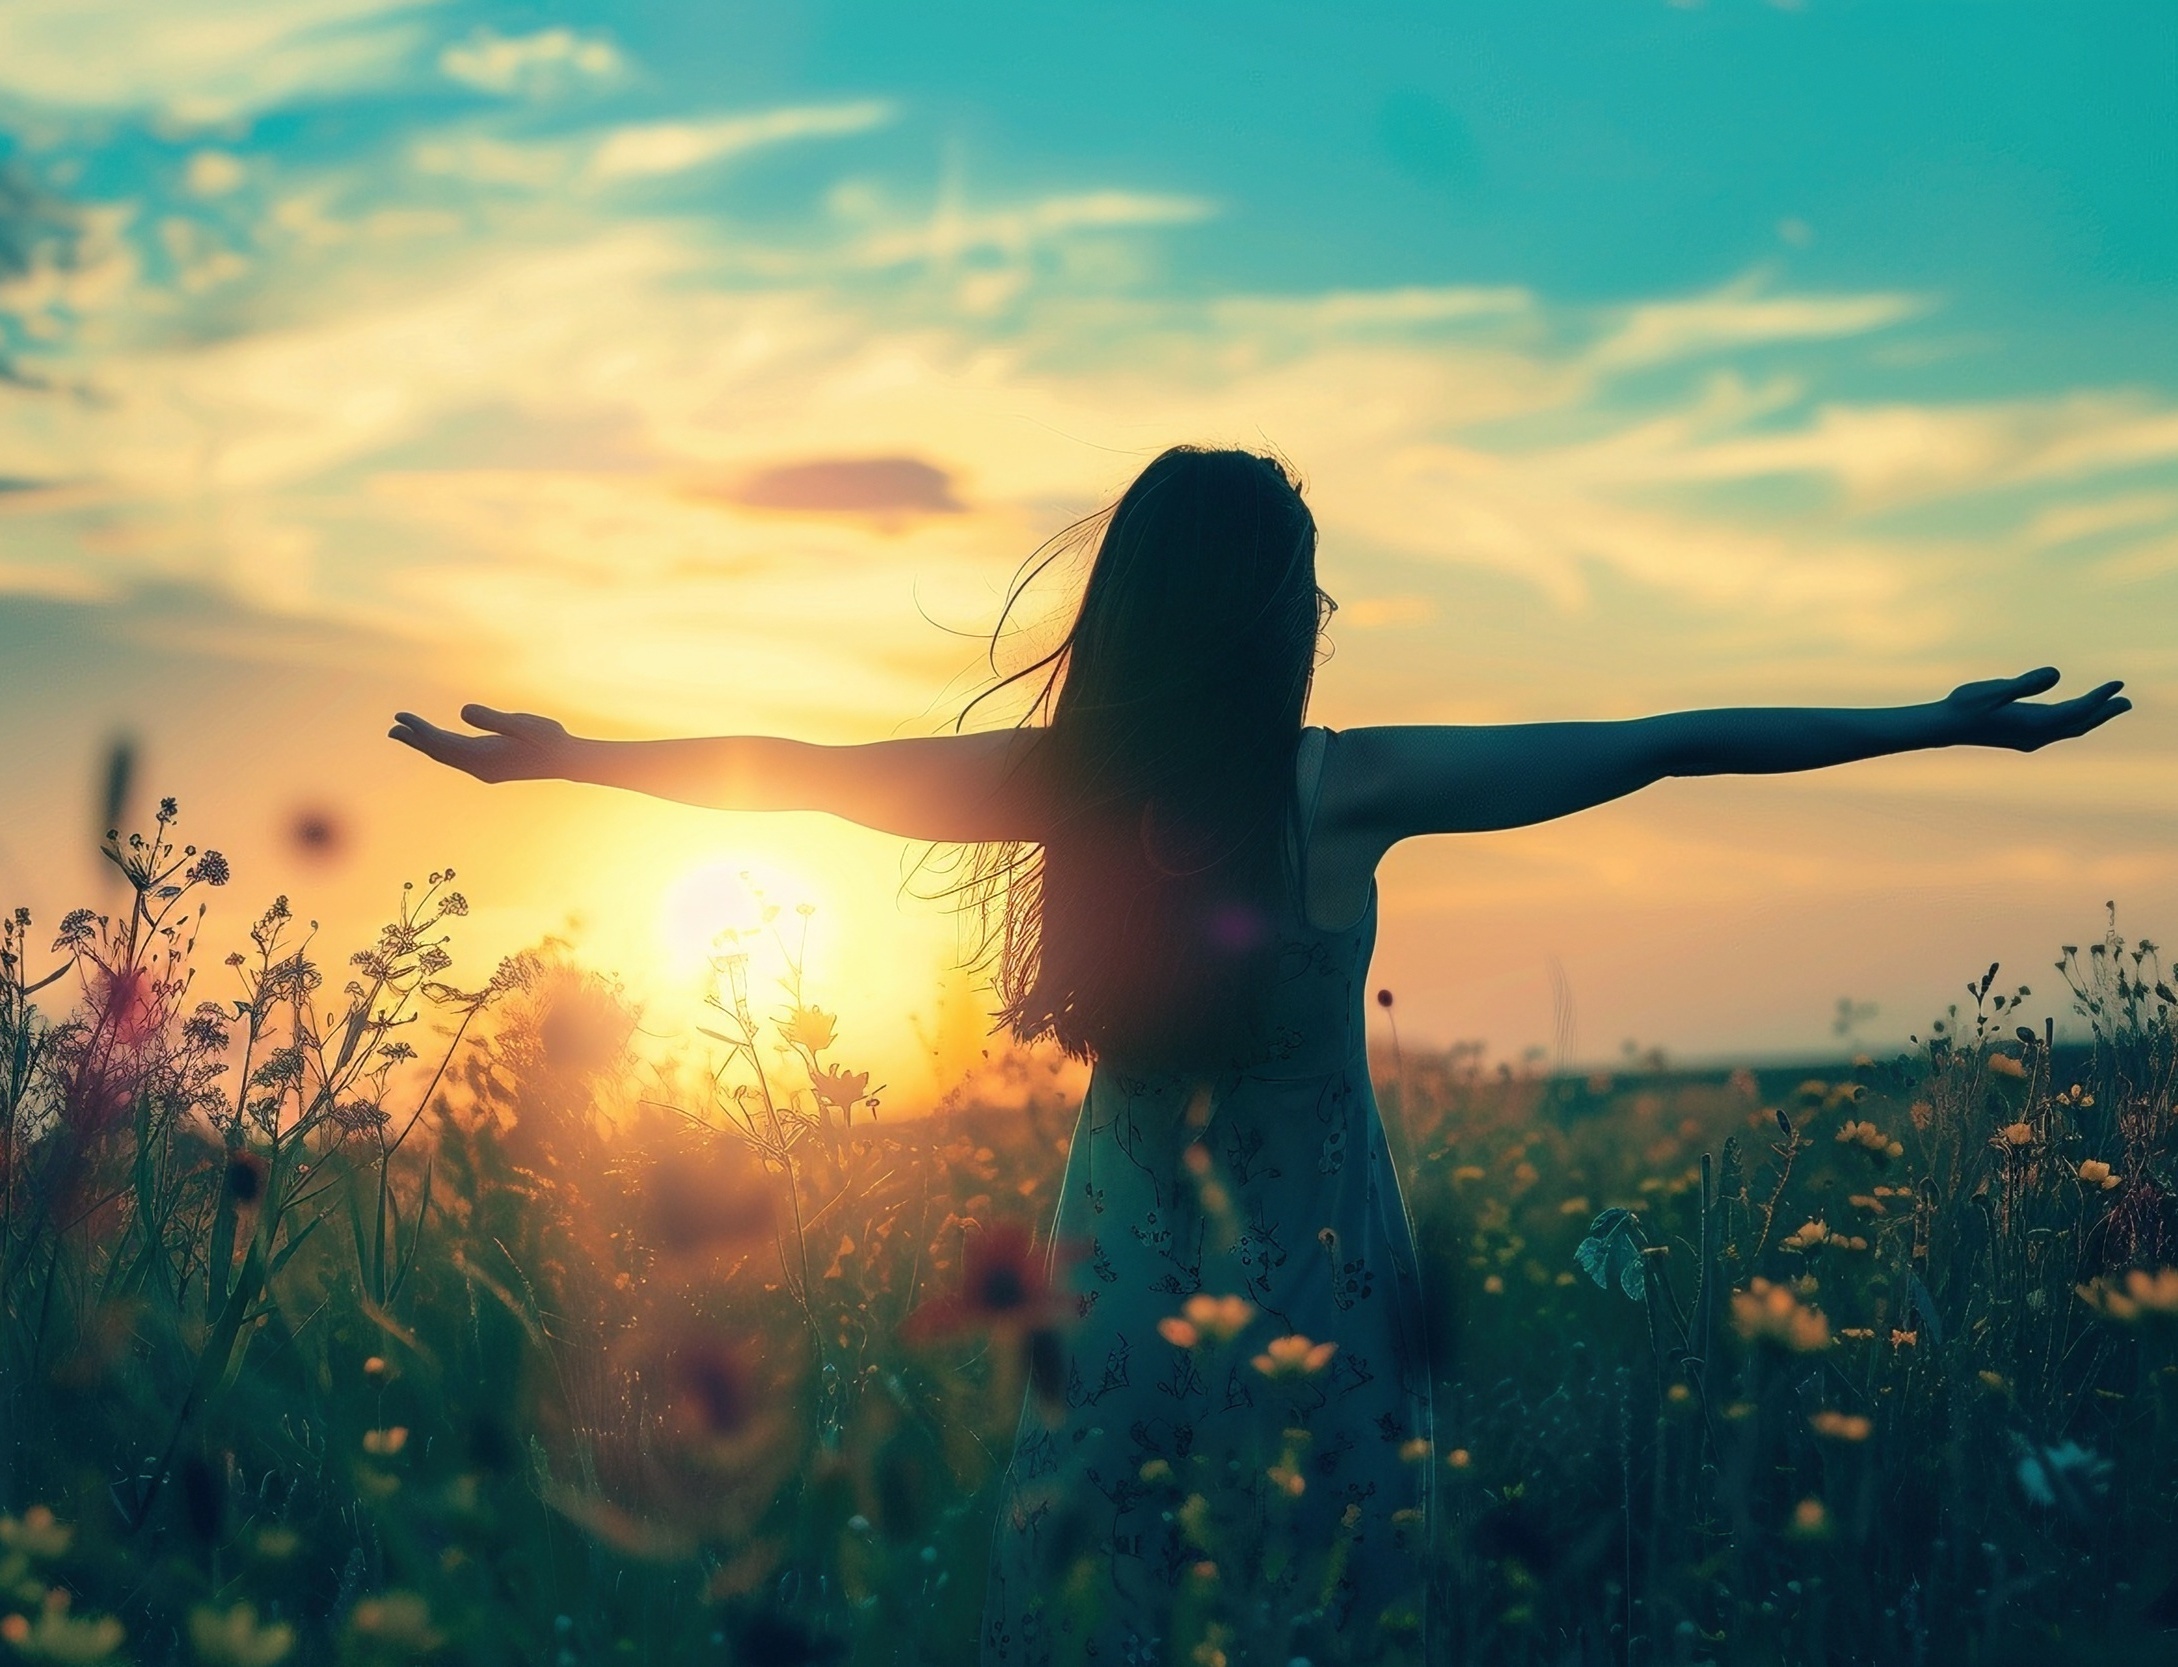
(726, 895)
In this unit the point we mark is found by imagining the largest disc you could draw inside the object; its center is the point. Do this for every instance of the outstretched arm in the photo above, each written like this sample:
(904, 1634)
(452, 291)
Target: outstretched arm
(1446, 778)
(943, 787)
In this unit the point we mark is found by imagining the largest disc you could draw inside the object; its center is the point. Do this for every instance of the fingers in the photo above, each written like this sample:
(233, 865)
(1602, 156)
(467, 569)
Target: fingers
(2098, 719)
(2093, 701)
(426, 738)
(2033, 682)
(522, 726)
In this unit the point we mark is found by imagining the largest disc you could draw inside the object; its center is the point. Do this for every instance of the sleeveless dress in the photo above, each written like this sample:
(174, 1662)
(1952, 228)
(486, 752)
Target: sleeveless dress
(1205, 1490)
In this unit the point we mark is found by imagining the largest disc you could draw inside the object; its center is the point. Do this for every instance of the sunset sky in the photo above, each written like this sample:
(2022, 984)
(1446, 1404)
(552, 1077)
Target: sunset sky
(700, 368)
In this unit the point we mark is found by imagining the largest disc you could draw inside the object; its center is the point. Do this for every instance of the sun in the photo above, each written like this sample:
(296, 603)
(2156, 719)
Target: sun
(728, 895)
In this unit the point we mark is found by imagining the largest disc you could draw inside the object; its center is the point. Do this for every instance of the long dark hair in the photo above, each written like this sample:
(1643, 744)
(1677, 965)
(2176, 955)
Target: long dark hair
(1143, 928)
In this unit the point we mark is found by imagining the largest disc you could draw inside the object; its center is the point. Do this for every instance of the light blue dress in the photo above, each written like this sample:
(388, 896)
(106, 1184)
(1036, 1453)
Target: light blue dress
(1315, 1506)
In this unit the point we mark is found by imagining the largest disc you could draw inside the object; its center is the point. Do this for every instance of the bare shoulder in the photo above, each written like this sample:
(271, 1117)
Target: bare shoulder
(1394, 781)
(1386, 782)
(1370, 774)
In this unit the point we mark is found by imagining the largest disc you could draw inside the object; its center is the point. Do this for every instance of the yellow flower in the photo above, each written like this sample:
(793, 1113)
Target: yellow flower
(1468, 1172)
(2004, 1065)
(2093, 1172)
(1219, 1318)
(1806, 1237)
(1904, 1339)
(1841, 1426)
(2157, 1291)
(1871, 1138)
(1293, 1356)
(841, 1088)
(36, 1534)
(1157, 1470)
(1767, 1313)
(1459, 1458)
(233, 1638)
(59, 1636)
(386, 1442)
(809, 1027)
(1414, 1451)
(2015, 1135)
(1494, 1285)
(1178, 1332)
(1289, 1480)
(2144, 1293)
(1859, 1333)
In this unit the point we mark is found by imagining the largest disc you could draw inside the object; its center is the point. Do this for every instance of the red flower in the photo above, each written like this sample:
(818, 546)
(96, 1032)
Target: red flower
(717, 1388)
(1002, 1289)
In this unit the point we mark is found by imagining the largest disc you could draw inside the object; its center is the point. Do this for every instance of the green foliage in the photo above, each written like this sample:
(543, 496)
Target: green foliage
(1611, 1254)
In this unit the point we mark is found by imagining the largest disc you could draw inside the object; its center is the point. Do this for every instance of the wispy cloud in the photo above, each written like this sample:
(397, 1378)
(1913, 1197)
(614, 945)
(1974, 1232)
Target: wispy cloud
(649, 149)
(2074, 520)
(1738, 316)
(209, 60)
(1895, 453)
(595, 159)
(529, 64)
(1384, 308)
(953, 232)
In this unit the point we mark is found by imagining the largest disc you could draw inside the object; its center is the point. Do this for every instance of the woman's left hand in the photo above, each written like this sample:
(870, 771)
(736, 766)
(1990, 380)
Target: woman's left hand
(1997, 713)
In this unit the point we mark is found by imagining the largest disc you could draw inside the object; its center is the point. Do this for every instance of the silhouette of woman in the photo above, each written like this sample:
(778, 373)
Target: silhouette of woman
(1177, 880)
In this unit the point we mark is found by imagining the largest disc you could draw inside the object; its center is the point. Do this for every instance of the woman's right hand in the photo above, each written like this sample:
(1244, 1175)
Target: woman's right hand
(516, 746)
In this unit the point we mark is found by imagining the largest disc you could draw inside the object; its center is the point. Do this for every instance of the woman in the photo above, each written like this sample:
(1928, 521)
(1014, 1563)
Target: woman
(1178, 881)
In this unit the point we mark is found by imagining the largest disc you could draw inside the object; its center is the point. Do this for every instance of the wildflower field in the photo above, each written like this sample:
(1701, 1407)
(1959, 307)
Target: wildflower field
(368, 1308)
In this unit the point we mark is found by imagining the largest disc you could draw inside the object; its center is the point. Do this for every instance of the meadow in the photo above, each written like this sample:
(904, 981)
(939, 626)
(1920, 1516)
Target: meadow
(366, 1307)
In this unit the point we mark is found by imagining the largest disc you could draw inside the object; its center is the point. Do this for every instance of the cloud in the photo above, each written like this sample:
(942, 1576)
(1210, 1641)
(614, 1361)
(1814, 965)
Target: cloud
(1657, 332)
(531, 64)
(1898, 453)
(640, 151)
(850, 486)
(1382, 308)
(648, 149)
(522, 425)
(208, 61)
(213, 173)
(952, 233)
(2076, 519)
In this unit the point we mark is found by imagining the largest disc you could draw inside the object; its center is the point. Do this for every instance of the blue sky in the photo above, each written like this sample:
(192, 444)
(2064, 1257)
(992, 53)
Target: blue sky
(1638, 355)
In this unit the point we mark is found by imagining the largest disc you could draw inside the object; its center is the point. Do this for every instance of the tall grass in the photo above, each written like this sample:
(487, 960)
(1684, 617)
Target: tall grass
(353, 1312)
